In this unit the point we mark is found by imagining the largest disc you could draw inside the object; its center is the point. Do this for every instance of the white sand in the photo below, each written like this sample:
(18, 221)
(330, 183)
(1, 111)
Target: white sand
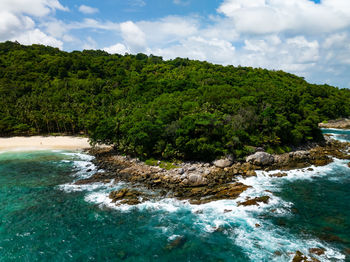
(41, 142)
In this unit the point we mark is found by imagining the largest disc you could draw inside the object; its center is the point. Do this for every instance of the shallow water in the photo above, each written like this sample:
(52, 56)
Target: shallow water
(43, 217)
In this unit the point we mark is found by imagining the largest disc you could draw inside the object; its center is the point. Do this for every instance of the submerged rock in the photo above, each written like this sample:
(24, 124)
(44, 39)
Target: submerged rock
(255, 201)
(317, 251)
(260, 159)
(299, 257)
(279, 174)
(179, 241)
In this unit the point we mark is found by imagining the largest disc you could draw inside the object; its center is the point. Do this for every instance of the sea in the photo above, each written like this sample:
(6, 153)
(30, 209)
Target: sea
(45, 217)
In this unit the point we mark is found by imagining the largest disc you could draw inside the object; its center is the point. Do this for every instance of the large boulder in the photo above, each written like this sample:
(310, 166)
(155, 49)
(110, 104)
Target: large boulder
(196, 179)
(300, 155)
(260, 159)
(222, 163)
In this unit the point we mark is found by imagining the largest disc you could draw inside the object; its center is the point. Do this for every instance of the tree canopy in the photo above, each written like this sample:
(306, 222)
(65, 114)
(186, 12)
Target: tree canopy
(148, 107)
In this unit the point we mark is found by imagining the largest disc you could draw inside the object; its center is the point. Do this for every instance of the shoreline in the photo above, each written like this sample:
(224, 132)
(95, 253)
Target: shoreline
(339, 124)
(198, 182)
(22, 143)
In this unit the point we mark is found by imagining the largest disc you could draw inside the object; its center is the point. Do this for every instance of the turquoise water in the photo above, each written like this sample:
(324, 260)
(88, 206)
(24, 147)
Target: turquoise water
(44, 217)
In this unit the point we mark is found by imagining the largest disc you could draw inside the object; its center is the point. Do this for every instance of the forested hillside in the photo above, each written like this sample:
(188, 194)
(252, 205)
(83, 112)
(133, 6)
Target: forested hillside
(153, 108)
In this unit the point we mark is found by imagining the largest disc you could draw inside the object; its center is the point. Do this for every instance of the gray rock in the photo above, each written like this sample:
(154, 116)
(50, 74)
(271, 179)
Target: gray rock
(191, 168)
(184, 176)
(222, 163)
(180, 171)
(197, 180)
(299, 154)
(260, 159)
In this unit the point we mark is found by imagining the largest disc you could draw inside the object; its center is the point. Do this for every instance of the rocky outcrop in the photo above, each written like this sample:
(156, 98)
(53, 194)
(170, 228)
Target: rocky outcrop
(126, 196)
(339, 124)
(260, 159)
(203, 182)
(255, 201)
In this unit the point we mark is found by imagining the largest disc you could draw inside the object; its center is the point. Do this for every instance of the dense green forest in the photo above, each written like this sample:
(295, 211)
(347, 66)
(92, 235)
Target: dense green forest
(148, 107)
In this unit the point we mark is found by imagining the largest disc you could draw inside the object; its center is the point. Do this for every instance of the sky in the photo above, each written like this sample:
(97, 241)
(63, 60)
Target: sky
(310, 38)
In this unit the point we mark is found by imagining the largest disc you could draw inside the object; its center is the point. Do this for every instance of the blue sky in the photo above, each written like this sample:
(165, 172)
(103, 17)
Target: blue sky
(304, 37)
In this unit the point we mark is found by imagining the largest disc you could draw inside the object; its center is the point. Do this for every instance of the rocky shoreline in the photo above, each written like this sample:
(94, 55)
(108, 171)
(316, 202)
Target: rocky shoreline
(202, 182)
(338, 124)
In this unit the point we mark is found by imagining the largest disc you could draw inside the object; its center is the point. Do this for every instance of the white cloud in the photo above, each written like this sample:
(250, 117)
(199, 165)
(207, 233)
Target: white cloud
(133, 36)
(168, 30)
(292, 16)
(37, 36)
(17, 21)
(87, 9)
(38, 8)
(214, 50)
(117, 49)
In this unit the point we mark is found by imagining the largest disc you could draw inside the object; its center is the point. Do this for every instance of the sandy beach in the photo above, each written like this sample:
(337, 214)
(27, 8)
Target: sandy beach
(44, 142)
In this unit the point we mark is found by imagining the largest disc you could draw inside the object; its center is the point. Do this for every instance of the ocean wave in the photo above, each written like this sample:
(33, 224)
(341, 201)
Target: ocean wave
(260, 239)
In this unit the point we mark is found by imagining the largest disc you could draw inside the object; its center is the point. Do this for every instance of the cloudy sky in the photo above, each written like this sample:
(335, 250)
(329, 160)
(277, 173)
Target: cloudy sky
(310, 38)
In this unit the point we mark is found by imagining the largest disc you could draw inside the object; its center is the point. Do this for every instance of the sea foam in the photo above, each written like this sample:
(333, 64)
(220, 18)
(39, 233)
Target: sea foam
(260, 239)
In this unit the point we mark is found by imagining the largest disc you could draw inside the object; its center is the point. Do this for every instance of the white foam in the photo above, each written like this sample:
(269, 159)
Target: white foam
(335, 129)
(71, 187)
(79, 155)
(245, 225)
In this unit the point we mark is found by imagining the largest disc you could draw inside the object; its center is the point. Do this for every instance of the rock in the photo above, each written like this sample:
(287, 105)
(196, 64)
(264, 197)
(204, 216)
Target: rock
(301, 154)
(299, 257)
(259, 149)
(192, 168)
(255, 201)
(250, 173)
(206, 172)
(317, 251)
(339, 124)
(279, 174)
(180, 171)
(277, 253)
(222, 163)
(260, 159)
(176, 243)
(349, 164)
(197, 180)
(126, 195)
(257, 225)
(183, 176)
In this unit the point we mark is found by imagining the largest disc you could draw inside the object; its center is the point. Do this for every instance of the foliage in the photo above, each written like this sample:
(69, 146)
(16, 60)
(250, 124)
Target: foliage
(144, 106)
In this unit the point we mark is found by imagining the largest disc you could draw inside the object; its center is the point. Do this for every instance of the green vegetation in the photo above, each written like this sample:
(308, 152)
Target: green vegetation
(163, 164)
(177, 109)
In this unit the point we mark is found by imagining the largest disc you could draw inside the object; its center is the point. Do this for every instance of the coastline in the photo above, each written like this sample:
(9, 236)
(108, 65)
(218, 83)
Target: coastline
(201, 183)
(196, 184)
(340, 124)
(21, 143)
